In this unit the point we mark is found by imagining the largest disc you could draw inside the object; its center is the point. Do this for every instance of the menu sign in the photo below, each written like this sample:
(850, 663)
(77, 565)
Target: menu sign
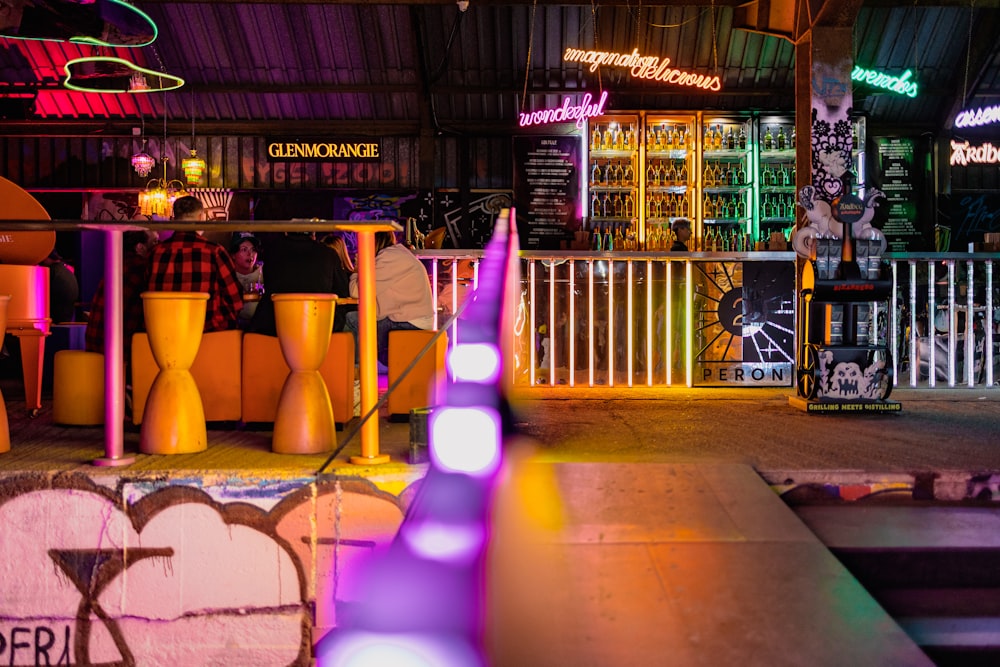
(547, 190)
(897, 178)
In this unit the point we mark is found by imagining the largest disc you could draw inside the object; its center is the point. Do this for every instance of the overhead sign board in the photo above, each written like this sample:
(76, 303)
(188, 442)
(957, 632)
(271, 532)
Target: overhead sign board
(363, 149)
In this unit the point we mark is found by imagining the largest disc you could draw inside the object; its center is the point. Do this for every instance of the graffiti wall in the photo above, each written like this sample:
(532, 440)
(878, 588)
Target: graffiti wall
(102, 570)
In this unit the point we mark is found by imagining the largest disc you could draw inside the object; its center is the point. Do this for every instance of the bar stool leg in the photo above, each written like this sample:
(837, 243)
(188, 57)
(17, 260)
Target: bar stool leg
(174, 418)
(304, 422)
(4, 425)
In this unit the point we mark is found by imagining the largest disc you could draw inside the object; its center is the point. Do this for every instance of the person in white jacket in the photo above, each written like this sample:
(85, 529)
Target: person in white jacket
(402, 293)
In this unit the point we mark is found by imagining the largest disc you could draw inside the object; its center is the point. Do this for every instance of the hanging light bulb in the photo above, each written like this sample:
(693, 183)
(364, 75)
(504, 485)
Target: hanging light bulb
(193, 166)
(142, 161)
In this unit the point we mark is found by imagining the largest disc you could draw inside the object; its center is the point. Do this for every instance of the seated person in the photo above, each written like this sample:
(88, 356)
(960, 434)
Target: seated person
(402, 293)
(188, 262)
(64, 290)
(138, 246)
(244, 250)
(296, 262)
(336, 241)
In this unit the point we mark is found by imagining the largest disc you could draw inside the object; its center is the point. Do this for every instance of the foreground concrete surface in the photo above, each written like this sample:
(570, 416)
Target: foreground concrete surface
(943, 445)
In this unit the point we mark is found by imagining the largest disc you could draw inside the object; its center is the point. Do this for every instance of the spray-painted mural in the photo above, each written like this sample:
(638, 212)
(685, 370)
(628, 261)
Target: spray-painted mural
(228, 571)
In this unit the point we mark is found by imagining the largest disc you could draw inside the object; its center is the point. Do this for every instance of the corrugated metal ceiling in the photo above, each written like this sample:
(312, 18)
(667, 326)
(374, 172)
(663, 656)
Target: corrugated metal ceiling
(295, 66)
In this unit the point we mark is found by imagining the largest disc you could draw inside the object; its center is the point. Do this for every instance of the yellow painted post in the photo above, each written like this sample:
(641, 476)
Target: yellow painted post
(367, 349)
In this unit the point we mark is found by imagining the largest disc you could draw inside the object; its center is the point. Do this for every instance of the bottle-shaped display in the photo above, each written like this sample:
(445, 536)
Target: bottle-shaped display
(609, 239)
(742, 140)
(597, 239)
(596, 210)
(596, 140)
(628, 174)
(768, 139)
(781, 139)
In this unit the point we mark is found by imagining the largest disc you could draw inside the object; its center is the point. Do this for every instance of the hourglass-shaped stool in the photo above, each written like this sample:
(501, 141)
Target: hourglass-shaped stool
(304, 421)
(4, 425)
(174, 418)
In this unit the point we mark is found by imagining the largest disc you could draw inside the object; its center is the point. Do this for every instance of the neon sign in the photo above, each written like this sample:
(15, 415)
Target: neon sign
(897, 84)
(972, 118)
(580, 112)
(643, 67)
(963, 154)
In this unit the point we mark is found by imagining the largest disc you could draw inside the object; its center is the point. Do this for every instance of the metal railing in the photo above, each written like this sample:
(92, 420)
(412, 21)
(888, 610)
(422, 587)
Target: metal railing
(574, 292)
(936, 340)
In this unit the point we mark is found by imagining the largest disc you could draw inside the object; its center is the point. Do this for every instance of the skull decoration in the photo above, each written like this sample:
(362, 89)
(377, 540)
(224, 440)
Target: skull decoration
(846, 381)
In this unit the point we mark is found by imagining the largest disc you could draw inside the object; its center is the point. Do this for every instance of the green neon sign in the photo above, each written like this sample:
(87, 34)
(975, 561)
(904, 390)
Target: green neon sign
(105, 74)
(897, 84)
(120, 24)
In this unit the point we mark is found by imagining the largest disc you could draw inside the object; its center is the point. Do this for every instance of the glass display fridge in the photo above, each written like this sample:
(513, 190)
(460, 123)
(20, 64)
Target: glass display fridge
(669, 177)
(727, 179)
(775, 203)
(613, 163)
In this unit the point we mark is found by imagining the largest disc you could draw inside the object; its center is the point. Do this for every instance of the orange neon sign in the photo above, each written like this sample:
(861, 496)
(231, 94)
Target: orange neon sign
(651, 68)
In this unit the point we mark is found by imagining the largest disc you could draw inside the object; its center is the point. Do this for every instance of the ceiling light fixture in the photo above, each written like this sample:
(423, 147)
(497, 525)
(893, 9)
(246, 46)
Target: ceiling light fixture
(193, 166)
(142, 161)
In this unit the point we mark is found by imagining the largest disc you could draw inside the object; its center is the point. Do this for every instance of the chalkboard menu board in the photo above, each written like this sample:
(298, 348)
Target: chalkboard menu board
(897, 178)
(547, 190)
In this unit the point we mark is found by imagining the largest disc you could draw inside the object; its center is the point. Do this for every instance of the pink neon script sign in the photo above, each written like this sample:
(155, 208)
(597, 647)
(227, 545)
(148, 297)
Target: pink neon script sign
(580, 113)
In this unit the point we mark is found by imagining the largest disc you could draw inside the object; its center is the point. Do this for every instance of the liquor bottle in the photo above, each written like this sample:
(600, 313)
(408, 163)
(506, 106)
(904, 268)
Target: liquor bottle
(620, 172)
(781, 138)
(730, 139)
(742, 141)
(669, 175)
(685, 137)
(765, 177)
(596, 210)
(768, 139)
(609, 240)
(709, 176)
(652, 174)
(707, 138)
(614, 175)
(741, 174)
(619, 139)
(595, 138)
(606, 206)
(628, 138)
(741, 207)
(616, 205)
(718, 138)
(628, 206)
(661, 138)
(791, 139)
(682, 173)
(607, 139)
(650, 139)
(675, 137)
(629, 175)
(708, 207)
(720, 207)
(595, 173)
(788, 175)
(619, 240)
(597, 239)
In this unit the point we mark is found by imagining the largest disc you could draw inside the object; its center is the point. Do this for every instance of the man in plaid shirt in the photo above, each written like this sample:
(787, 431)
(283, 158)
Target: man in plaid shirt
(188, 262)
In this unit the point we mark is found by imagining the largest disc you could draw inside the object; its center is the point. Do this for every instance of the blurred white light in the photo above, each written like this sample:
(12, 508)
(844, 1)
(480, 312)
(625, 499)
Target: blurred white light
(363, 649)
(474, 362)
(466, 440)
(458, 544)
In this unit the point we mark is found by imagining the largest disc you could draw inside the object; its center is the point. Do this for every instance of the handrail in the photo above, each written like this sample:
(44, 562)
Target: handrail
(434, 606)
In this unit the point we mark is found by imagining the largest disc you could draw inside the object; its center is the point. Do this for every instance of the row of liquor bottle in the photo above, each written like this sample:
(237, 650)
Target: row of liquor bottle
(676, 136)
(623, 237)
(621, 204)
(614, 173)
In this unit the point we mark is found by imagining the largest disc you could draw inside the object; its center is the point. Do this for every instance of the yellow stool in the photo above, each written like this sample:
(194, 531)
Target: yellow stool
(78, 388)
